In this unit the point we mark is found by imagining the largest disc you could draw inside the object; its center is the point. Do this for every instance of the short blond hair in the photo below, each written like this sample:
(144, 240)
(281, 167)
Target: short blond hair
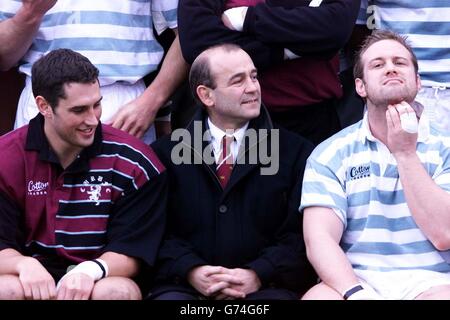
(376, 36)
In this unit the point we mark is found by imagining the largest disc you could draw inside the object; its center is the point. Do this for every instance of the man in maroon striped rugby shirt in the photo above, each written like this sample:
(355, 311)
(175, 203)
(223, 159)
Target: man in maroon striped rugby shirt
(81, 204)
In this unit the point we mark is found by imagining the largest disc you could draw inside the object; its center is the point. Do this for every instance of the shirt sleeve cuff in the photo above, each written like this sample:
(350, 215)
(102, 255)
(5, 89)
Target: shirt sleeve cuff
(263, 268)
(185, 263)
(237, 17)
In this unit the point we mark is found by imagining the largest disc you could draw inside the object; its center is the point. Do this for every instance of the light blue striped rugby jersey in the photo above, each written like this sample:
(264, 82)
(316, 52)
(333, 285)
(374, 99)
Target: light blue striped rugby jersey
(427, 25)
(362, 15)
(116, 35)
(356, 176)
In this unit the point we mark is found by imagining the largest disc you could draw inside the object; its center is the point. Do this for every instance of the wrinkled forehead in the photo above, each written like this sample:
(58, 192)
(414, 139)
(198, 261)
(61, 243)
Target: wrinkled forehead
(385, 49)
(224, 64)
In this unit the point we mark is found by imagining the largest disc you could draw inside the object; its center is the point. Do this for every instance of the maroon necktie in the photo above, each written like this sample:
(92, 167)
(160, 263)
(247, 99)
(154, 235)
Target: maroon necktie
(225, 163)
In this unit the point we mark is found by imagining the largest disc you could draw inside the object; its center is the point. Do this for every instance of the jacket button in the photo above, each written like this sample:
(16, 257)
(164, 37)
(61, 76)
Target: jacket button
(223, 208)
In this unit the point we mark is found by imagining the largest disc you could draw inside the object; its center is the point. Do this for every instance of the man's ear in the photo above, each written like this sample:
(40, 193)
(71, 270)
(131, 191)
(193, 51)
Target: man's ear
(206, 95)
(360, 88)
(419, 82)
(44, 107)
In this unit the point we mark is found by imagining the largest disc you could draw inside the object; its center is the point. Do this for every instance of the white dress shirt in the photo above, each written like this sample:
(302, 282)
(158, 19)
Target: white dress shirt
(217, 135)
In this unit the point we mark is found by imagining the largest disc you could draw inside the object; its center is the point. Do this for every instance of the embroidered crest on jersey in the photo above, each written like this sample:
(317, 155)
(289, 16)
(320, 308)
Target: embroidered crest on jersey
(94, 188)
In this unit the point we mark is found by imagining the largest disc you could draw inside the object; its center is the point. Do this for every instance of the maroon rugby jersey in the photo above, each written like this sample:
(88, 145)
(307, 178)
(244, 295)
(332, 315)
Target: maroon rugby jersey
(106, 200)
(299, 82)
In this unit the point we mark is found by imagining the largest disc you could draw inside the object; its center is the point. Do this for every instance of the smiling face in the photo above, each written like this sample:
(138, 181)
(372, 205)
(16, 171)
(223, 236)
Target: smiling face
(236, 97)
(70, 126)
(389, 75)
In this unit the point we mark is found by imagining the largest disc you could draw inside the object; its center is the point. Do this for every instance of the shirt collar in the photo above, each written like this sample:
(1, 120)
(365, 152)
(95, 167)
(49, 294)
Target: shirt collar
(37, 141)
(217, 133)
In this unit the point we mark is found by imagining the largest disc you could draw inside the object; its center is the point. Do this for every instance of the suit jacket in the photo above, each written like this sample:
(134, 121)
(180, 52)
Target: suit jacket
(253, 223)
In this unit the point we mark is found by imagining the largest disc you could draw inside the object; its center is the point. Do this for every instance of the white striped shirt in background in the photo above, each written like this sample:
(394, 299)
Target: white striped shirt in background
(116, 35)
(427, 25)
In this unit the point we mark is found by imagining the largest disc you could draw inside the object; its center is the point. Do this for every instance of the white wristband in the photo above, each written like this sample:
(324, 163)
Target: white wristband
(96, 269)
(236, 17)
(92, 268)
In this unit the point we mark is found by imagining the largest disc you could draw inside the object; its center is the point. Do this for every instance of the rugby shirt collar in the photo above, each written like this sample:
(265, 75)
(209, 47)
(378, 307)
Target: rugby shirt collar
(423, 131)
(37, 141)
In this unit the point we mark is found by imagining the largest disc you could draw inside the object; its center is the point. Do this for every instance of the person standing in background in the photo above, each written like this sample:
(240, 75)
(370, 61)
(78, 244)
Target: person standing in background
(116, 36)
(293, 44)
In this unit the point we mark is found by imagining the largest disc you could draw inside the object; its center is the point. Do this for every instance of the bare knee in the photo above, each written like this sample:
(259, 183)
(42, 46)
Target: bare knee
(11, 288)
(116, 288)
(322, 291)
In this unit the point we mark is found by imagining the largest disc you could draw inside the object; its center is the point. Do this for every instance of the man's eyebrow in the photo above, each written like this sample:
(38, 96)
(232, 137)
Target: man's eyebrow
(236, 76)
(382, 59)
(98, 101)
(241, 75)
(376, 59)
(84, 106)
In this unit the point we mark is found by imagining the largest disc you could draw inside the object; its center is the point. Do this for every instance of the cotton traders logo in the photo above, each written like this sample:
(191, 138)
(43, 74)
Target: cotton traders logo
(37, 188)
(359, 172)
(94, 188)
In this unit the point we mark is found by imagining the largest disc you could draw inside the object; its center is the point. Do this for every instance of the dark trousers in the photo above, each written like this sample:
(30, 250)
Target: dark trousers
(56, 266)
(184, 293)
(315, 122)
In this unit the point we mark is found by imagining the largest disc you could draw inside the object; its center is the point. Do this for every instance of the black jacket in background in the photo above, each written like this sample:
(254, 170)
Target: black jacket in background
(269, 28)
(253, 223)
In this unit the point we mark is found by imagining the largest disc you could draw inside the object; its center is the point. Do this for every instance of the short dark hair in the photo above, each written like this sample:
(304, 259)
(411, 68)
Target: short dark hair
(200, 73)
(379, 35)
(51, 72)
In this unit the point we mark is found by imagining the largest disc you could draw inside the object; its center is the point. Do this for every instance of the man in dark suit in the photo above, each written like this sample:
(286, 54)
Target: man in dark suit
(233, 224)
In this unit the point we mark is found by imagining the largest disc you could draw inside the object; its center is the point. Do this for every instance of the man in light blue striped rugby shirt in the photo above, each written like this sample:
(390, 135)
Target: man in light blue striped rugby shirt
(375, 195)
(427, 26)
(117, 36)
